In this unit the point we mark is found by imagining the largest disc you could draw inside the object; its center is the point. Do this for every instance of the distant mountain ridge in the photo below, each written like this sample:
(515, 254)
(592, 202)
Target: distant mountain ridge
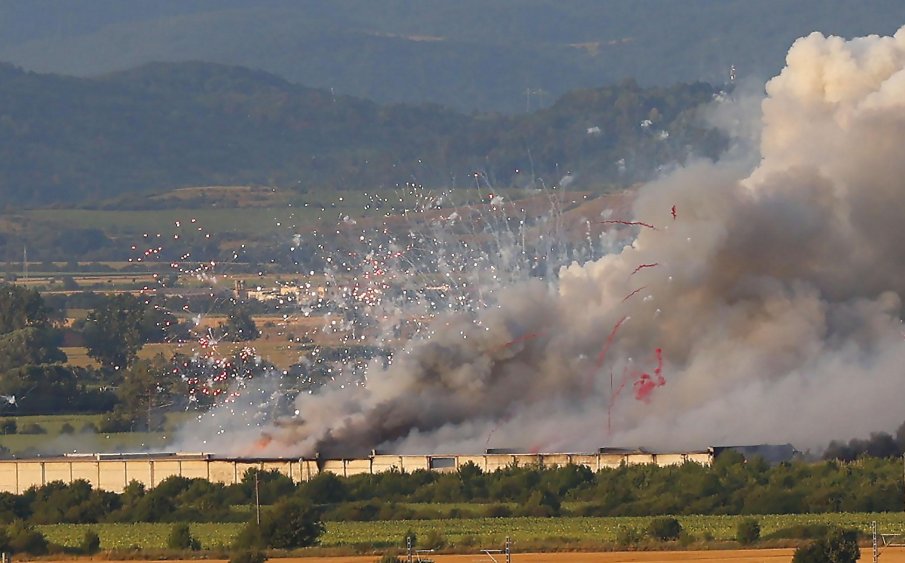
(484, 55)
(167, 125)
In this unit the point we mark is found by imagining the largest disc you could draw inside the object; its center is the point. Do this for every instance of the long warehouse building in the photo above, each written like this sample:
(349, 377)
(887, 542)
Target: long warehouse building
(112, 472)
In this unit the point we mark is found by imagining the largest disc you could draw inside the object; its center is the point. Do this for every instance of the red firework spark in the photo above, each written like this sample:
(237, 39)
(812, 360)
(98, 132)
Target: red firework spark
(496, 426)
(601, 357)
(523, 338)
(630, 223)
(609, 342)
(646, 382)
(644, 385)
(632, 294)
(644, 266)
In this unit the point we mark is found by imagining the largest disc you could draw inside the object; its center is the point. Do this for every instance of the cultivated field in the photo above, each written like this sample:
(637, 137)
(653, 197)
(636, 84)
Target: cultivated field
(896, 555)
(890, 555)
(565, 533)
(82, 440)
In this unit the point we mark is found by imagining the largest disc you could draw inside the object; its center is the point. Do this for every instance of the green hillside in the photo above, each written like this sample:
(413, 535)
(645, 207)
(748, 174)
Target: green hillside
(481, 55)
(98, 141)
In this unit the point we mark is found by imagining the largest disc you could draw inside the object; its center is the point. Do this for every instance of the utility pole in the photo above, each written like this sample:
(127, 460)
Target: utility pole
(149, 409)
(876, 546)
(257, 500)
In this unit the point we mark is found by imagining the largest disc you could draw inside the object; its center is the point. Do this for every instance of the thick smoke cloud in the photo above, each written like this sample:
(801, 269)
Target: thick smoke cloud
(773, 296)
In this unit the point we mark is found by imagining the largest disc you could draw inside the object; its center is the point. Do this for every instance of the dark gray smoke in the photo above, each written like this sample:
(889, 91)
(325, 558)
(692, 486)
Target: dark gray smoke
(773, 294)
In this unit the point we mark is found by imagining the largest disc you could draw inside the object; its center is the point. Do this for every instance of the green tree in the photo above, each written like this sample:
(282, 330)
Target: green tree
(21, 308)
(541, 502)
(324, 488)
(113, 331)
(91, 543)
(24, 538)
(838, 546)
(30, 346)
(272, 486)
(665, 528)
(181, 538)
(289, 524)
(472, 478)
(40, 389)
(26, 335)
(747, 531)
(148, 389)
(239, 326)
(159, 324)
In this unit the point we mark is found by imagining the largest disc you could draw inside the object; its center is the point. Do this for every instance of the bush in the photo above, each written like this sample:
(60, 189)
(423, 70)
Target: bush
(541, 503)
(289, 524)
(67, 428)
(686, 539)
(838, 546)
(389, 558)
(497, 511)
(23, 538)
(91, 543)
(115, 422)
(747, 531)
(32, 428)
(89, 428)
(8, 426)
(247, 556)
(800, 532)
(665, 528)
(434, 540)
(354, 511)
(627, 536)
(181, 538)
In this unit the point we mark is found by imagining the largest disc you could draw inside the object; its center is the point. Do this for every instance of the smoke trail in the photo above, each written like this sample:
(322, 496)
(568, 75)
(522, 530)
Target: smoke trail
(773, 311)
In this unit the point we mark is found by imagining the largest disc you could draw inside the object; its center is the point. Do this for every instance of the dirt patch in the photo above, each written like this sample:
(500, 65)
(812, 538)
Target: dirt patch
(888, 555)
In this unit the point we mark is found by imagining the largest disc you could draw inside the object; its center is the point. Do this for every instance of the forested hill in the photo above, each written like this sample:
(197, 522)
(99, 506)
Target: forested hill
(161, 126)
(469, 54)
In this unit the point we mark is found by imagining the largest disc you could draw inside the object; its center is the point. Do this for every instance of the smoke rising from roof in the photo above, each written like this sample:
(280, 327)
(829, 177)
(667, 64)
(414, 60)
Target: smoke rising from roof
(774, 295)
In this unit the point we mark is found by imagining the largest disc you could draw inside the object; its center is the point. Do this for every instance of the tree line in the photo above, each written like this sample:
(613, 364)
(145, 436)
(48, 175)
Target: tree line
(35, 379)
(164, 126)
(293, 514)
(286, 523)
(732, 486)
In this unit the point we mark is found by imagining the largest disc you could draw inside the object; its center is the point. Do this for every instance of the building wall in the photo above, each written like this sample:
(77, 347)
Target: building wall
(112, 473)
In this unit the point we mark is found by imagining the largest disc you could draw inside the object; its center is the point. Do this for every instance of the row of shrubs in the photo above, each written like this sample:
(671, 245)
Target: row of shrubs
(19, 537)
(373, 510)
(9, 426)
(667, 528)
(824, 543)
(288, 524)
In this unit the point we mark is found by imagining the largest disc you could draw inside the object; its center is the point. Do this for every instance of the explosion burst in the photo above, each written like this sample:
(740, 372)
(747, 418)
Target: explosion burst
(772, 304)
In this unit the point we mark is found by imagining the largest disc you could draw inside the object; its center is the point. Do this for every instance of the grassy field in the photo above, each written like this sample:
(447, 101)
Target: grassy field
(465, 533)
(56, 443)
(246, 221)
(294, 212)
(273, 344)
(268, 215)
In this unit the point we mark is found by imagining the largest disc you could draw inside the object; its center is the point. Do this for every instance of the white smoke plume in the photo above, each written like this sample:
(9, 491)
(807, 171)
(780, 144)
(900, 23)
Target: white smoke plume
(773, 294)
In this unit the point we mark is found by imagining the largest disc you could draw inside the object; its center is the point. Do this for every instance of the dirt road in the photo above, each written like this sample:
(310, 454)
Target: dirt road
(889, 555)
